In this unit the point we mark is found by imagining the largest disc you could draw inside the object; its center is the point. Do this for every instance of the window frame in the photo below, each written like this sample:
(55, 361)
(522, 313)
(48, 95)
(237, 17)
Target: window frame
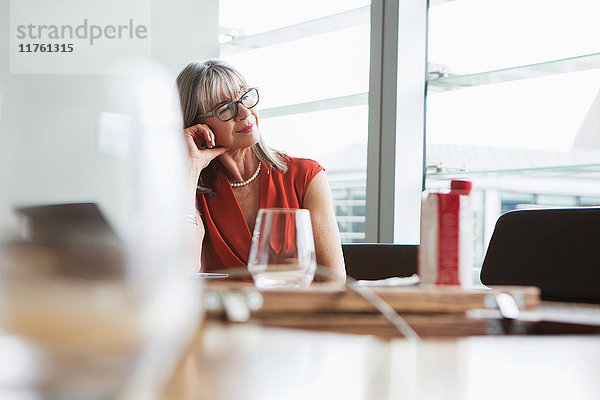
(397, 98)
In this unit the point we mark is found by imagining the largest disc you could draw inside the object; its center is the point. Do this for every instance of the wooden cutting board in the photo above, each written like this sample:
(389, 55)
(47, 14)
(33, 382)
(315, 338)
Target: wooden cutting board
(432, 311)
(408, 299)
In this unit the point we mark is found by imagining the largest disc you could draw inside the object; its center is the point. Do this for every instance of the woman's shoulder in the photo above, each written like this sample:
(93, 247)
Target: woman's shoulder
(300, 172)
(299, 165)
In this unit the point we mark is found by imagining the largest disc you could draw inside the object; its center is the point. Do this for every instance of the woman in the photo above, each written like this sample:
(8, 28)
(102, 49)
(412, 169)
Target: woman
(233, 173)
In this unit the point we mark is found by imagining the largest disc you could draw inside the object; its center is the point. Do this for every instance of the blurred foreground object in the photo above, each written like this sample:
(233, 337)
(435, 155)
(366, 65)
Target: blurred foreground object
(94, 252)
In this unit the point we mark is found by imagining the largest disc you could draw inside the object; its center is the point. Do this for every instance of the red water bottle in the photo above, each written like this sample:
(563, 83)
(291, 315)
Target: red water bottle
(446, 250)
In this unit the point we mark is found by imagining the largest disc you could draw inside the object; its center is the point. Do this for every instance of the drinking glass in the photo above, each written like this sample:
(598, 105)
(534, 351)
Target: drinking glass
(283, 249)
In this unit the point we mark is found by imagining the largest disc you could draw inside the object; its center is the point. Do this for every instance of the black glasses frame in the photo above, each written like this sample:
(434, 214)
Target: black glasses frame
(234, 103)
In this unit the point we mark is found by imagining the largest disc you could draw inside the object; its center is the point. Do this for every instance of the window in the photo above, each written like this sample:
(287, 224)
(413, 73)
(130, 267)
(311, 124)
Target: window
(310, 61)
(513, 104)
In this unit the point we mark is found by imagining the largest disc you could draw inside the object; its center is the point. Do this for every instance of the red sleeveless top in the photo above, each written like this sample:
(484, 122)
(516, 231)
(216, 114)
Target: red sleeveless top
(227, 238)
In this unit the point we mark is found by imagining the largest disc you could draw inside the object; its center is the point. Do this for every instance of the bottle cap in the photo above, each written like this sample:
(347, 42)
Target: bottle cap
(461, 186)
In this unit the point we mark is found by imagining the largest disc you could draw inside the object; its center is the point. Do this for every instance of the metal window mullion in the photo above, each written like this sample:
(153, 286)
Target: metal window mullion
(396, 120)
(332, 103)
(374, 146)
(410, 119)
(302, 30)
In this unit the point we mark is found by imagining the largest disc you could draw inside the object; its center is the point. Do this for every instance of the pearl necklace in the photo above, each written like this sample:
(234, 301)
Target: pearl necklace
(244, 183)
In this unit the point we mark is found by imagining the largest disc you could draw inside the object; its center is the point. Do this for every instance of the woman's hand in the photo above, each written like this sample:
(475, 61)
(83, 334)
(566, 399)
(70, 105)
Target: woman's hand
(201, 147)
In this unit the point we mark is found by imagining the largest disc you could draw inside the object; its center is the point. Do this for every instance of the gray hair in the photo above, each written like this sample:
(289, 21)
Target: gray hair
(201, 85)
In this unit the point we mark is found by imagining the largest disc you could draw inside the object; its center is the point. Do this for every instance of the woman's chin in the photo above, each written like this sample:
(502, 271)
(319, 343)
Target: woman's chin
(243, 144)
(249, 138)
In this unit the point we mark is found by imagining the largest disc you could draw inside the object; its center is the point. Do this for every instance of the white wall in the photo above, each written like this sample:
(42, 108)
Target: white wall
(184, 30)
(48, 127)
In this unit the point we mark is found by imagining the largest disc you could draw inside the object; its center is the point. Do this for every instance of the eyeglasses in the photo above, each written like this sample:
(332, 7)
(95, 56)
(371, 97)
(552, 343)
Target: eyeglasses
(228, 111)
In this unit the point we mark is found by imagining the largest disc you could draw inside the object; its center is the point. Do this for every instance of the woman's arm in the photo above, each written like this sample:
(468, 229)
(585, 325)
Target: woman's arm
(327, 235)
(196, 227)
(196, 136)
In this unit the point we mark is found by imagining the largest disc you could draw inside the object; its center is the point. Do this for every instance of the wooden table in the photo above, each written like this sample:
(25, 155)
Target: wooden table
(268, 358)
(248, 361)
